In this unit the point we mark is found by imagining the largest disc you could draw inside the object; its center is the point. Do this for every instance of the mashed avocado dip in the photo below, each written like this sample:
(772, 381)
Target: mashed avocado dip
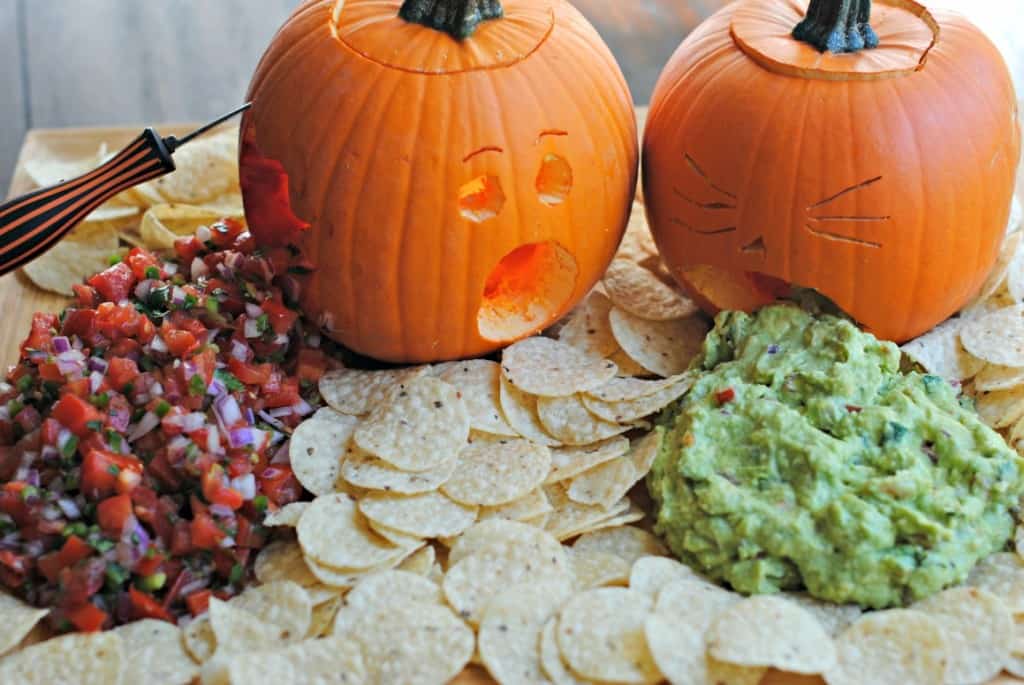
(803, 457)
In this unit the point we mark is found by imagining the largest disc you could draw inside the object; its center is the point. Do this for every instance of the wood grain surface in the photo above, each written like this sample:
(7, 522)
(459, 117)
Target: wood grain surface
(19, 299)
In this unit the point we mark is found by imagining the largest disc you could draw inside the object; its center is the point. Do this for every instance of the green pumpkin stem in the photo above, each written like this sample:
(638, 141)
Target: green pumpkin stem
(838, 26)
(458, 18)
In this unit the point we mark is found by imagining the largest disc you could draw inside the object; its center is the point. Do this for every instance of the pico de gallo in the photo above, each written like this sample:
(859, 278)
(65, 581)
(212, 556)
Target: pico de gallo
(144, 431)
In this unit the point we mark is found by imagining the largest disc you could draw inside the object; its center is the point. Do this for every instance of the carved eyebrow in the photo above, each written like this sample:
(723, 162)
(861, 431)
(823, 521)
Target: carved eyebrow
(551, 132)
(845, 191)
(700, 172)
(489, 148)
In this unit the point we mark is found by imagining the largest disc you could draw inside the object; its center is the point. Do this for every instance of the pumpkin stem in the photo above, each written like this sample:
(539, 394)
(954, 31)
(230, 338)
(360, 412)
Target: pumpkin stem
(458, 18)
(838, 26)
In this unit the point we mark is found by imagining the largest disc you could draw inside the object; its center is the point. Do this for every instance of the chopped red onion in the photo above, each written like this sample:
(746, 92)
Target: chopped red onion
(240, 351)
(177, 296)
(27, 475)
(97, 364)
(223, 270)
(38, 356)
(281, 456)
(49, 453)
(220, 511)
(143, 289)
(28, 418)
(227, 411)
(233, 260)
(281, 339)
(176, 448)
(272, 421)
(242, 437)
(158, 345)
(253, 311)
(193, 422)
(146, 425)
(95, 381)
(216, 388)
(192, 585)
(250, 416)
(51, 512)
(156, 390)
(203, 234)
(189, 368)
(302, 408)
(68, 506)
(270, 472)
(245, 486)
(227, 543)
(213, 439)
(199, 268)
(281, 411)
(211, 335)
(170, 268)
(63, 435)
(251, 328)
(61, 344)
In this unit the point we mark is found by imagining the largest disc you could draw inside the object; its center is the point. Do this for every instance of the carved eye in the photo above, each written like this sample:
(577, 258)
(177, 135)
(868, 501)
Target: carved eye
(481, 199)
(554, 181)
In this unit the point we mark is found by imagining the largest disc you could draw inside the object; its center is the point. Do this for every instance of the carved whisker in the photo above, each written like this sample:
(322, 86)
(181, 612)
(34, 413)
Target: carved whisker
(700, 172)
(846, 191)
(703, 205)
(850, 218)
(828, 235)
(704, 231)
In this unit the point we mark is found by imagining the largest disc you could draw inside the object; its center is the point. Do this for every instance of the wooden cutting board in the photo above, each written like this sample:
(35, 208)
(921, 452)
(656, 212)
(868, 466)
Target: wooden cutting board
(19, 298)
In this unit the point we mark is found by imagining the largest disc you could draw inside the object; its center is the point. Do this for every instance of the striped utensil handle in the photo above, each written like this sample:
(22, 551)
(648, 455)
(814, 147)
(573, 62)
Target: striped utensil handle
(32, 224)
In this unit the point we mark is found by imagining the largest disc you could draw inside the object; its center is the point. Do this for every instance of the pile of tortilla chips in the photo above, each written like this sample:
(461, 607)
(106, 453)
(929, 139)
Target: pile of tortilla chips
(485, 513)
(204, 188)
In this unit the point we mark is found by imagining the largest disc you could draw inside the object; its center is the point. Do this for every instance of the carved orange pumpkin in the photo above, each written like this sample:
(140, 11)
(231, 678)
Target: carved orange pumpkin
(458, 176)
(875, 165)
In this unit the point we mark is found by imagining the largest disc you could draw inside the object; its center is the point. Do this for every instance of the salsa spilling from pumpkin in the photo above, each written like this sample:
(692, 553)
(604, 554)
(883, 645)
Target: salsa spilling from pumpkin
(143, 432)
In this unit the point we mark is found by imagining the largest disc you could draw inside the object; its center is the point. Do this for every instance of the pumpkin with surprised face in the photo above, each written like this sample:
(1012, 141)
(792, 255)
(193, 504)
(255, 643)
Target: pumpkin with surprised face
(866, 152)
(458, 173)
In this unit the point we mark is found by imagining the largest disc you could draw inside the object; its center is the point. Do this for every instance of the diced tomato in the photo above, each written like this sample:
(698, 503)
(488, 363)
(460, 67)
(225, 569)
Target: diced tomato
(74, 550)
(279, 484)
(725, 396)
(85, 296)
(188, 248)
(75, 413)
(14, 568)
(121, 372)
(50, 372)
(163, 471)
(100, 471)
(312, 364)
(41, 333)
(149, 564)
(79, 387)
(49, 431)
(249, 536)
(281, 317)
(140, 260)
(82, 581)
(114, 284)
(284, 395)
(145, 606)
(216, 491)
(250, 374)
(79, 322)
(204, 532)
(198, 602)
(181, 539)
(224, 232)
(115, 514)
(88, 618)
(180, 343)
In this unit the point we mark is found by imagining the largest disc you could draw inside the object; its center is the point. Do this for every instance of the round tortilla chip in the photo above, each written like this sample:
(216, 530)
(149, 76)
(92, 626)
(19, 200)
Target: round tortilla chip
(588, 329)
(994, 377)
(521, 411)
(531, 505)
(551, 657)
(650, 575)
(499, 533)
(638, 291)
(356, 392)
(333, 532)
(283, 560)
(893, 647)
(510, 629)
(626, 542)
(569, 421)
(593, 568)
(282, 604)
(317, 447)
(381, 590)
(629, 389)
(998, 337)
(664, 348)
(601, 636)
(418, 427)
(997, 276)
(364, 470)
(1002, 574)
(19, 619)
(604, 485)
(474, 580)
(569, 519)
(834, 618)
(695, 602)
(416, 643)
(154, 651)
(1001, 408)
(420, 562)
(495, 471)
(199, 640)
(78, 658)
(329, 660)
(426, 515)
(549, 368)
(479, 383)
(941, 353)
(567, 462)
(979, 632)
(625, 411)
(770, 631)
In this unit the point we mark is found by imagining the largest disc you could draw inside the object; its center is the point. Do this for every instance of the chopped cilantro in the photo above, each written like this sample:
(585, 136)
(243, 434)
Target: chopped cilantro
(114, 259)
(29, 491)
(212, 305)
(190, 301)
(114, 470)
(229, 380)
(94, 425)
(263, 324)
(100, 401)
(24, 383)
(162, 408)
(260, 502)
(237, 574)
(196, 385)
(70, 447)
(152, 272)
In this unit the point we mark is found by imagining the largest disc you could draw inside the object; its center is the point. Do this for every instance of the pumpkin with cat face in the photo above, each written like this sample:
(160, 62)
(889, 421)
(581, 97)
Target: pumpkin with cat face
(871, 159)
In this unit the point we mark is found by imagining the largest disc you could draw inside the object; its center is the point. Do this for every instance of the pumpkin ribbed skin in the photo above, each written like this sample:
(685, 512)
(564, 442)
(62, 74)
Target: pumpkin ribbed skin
(883, 179)
(380, 123)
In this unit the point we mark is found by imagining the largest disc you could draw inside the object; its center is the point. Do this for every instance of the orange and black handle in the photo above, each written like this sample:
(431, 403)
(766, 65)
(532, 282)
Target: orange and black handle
(32, 224)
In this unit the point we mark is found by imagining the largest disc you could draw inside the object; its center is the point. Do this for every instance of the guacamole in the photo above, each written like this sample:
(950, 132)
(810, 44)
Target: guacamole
(804, 458)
